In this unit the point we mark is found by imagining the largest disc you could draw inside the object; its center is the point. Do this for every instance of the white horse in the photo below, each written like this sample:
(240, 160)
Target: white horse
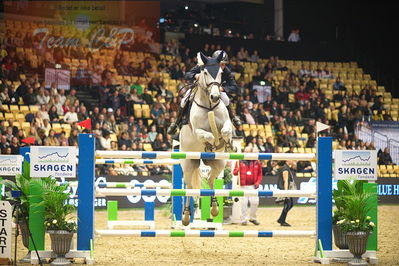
(199, 134)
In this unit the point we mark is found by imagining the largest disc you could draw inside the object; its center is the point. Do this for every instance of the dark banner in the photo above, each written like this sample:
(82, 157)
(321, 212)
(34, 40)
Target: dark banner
(388, 191)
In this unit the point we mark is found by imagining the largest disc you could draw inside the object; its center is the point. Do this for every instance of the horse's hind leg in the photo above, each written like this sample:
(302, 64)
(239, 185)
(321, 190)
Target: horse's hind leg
(186, 213)
(217, 168)
(191, 176)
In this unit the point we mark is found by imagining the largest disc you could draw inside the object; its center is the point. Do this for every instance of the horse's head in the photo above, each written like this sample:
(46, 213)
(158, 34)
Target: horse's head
(211, 76)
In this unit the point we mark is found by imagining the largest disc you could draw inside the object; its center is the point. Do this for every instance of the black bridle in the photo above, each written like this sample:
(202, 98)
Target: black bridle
(208, 92)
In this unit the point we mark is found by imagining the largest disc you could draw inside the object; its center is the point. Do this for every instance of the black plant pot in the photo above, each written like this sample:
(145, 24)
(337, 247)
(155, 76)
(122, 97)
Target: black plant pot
(339, 237)
(357, 243)
(25, 239)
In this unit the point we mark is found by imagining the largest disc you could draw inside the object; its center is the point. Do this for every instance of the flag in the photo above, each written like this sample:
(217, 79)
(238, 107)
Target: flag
(321, 127)
(30, 140)
(86, 123)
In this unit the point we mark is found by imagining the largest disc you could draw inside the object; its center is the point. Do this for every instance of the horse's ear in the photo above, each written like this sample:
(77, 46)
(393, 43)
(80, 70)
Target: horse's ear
(202, 59)
(220, 56)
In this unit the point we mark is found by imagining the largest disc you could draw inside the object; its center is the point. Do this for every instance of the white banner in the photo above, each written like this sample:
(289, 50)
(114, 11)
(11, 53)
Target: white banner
(10, 165)
(5, 229)
(361, 165)
(61, 77)
(53, 161)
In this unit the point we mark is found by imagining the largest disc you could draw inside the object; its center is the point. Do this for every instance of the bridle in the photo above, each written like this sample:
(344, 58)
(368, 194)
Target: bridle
(207, 90)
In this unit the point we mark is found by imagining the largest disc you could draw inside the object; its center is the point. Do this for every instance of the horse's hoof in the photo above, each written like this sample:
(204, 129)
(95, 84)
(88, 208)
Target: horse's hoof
(185, 222)
(214, 211)
(186, 219)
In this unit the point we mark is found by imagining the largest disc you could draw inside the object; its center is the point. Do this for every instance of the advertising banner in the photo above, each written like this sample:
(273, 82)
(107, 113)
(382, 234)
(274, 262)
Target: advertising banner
(361, 165)
(10, 165)
(53, 161)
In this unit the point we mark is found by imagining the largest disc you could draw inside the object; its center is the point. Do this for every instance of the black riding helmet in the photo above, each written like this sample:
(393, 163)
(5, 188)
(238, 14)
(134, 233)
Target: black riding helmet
(225, 58)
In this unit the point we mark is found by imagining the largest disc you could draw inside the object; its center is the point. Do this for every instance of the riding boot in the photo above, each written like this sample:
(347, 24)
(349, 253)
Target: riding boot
(180, 113)
(235, 119)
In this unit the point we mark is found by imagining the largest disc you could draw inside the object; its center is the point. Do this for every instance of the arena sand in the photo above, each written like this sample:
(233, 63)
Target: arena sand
(231, 251)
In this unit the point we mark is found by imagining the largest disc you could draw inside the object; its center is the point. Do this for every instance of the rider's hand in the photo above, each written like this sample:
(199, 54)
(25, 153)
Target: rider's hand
(221, 89)
(196, 76)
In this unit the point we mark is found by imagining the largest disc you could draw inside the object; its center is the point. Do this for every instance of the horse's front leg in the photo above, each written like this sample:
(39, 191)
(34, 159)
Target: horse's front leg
(217, 167)
(205, 136)
(227, 135)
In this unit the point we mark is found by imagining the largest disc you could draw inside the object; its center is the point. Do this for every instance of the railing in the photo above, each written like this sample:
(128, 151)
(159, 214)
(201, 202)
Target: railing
(379, 140)
(394, 150)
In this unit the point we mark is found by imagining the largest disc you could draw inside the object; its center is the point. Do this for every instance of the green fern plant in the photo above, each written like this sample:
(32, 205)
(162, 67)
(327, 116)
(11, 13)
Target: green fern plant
(21, 184)
(58, 212)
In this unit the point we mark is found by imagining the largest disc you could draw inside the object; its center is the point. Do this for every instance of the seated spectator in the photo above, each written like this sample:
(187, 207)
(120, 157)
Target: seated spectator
(311, 143)
(292, 140)
(269, 145)
(42, 97)
(105, 140)
(43, 114)
(71, 116)
(53, 115)
(304, 167)
(385, 158)
(248, 118)
(156, 111)
(159, 144)
(52, 139)
(254, 57)
(339, 85)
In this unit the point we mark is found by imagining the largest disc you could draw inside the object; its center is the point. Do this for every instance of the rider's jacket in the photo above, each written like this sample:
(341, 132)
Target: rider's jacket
(228, 82)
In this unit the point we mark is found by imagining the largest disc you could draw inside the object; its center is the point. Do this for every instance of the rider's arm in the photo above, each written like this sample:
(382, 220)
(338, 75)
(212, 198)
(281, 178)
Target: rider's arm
(190, 75)
(229, 83)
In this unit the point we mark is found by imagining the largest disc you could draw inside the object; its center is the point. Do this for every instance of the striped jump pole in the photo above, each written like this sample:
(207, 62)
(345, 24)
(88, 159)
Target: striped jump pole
(138, 161)
(206, 233)
(124, 185)
(203, 192)
(205, 155)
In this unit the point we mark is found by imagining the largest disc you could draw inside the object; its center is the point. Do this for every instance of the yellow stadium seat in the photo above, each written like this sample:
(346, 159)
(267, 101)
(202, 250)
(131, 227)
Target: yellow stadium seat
(147, 147)
(14, 108)
(34, 108)
(9, 116)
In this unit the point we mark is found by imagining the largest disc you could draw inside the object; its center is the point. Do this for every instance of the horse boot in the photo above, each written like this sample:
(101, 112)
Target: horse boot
(236, 121)
(180, 113)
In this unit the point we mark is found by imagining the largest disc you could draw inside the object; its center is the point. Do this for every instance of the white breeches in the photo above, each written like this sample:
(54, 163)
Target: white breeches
(223, 96)
(254, 203)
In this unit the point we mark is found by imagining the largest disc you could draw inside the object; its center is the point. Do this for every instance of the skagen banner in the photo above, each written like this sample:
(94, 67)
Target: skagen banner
(53, 161)
(10, 165)
(361, 165)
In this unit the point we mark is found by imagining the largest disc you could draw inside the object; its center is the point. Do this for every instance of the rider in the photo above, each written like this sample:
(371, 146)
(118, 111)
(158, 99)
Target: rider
(228, 85)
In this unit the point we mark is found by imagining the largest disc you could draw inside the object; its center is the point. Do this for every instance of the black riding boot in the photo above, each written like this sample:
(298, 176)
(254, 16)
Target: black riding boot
(235, 119)
(180, 113)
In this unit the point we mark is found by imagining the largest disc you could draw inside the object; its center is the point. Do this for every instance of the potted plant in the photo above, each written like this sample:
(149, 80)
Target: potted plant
(344, 188)
(58, 215)
(21, 184)
(356, 223)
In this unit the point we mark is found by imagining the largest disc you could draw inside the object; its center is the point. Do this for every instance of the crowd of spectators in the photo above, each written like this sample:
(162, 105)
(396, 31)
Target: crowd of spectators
(294, 102)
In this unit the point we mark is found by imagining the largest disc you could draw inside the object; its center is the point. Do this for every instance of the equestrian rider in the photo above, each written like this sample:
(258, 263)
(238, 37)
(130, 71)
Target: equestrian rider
(228, 85)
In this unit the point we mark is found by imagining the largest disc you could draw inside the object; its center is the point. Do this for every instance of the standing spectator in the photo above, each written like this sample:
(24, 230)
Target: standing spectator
(294, 36)
(250, 173)
(285, 176)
